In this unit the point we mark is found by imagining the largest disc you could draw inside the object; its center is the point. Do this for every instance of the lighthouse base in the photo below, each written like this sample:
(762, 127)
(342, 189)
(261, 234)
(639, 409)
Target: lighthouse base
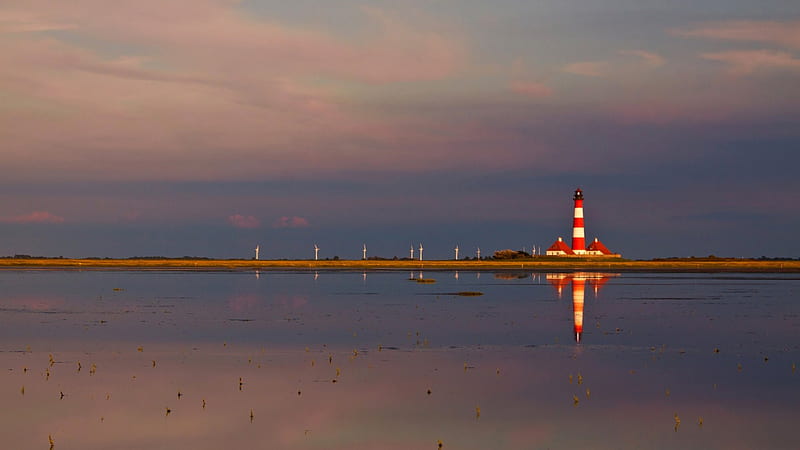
(584, 255)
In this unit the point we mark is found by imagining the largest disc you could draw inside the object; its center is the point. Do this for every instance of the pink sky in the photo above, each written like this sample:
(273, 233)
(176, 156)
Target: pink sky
(209, 90)
(105, 104)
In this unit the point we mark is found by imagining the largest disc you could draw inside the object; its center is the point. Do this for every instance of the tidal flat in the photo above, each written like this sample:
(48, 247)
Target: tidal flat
(352, 359)
(538, 263)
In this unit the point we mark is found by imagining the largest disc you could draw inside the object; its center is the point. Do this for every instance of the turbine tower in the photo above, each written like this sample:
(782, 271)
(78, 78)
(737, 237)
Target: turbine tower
(420, 251)
(456, 249)
(412, 252)
(257, 247)
(316, 253)
(365, 251)
(479, 253)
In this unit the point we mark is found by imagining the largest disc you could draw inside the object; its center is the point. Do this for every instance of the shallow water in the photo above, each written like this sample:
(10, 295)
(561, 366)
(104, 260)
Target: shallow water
(346, 360)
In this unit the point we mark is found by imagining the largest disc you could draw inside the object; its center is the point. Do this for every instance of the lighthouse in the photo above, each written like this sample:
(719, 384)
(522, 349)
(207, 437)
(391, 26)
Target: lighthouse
(578, 235)
(579, 249)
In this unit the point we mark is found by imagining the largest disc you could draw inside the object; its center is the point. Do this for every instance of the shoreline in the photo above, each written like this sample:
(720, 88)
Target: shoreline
(700, 265)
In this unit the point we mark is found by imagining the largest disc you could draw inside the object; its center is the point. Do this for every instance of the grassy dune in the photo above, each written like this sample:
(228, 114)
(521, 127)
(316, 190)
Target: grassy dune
(688, 265)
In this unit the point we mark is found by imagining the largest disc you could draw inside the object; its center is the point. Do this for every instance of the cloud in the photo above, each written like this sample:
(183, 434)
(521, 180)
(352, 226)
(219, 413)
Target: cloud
(240, 221)
(130, 216)
(588, 68)
(746, 62)
(786, 34)
(291, 222)
(532, 89)
(166, 89)
(650, 59)
(217, 36)
(23, 22)
(600, 69)
(34, 217)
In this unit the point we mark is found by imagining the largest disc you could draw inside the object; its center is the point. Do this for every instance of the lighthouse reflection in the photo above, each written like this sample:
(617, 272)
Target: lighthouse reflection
(578, 280)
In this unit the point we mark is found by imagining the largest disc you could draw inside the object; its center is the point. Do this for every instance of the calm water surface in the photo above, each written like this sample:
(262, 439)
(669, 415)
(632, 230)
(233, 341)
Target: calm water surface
(352, 360)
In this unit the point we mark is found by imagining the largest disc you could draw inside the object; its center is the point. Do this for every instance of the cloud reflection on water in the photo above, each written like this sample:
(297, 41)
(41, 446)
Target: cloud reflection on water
(500, 352)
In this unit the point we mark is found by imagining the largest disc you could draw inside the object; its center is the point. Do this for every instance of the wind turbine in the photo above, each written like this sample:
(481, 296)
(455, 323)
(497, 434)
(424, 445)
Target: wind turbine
(420, 251)
(316, 253)
(257, 247)
(364, 250)
(479, 253)
(412, 251)
(456, 249)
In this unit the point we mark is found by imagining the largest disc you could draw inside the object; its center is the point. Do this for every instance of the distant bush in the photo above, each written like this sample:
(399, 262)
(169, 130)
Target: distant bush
(510, 254)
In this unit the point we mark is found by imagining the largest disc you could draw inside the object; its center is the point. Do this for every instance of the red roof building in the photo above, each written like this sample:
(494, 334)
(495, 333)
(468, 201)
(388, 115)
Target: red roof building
(598, 248)
(559, 248)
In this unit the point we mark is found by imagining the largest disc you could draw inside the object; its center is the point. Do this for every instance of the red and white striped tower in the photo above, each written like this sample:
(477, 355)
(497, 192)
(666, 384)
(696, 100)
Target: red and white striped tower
(578, 236)
(578, 287)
